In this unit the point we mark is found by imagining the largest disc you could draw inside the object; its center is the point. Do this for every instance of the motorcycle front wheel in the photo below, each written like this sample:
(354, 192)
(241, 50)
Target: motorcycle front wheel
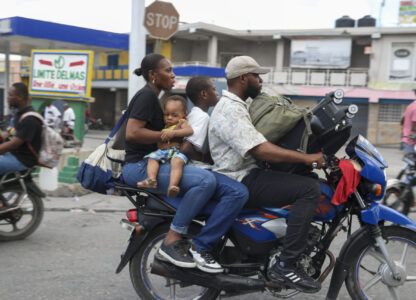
(150, 286)
(399, 199)
(22, 218)
(369, 276)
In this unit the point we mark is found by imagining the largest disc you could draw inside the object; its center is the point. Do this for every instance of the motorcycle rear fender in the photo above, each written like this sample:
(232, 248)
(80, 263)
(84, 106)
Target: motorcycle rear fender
(378, 212)
(32, 187)
(148, 223)
(134, 245)
(344, 260)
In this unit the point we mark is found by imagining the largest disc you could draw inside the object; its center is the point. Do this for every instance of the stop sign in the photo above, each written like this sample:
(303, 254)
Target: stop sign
(161, 20)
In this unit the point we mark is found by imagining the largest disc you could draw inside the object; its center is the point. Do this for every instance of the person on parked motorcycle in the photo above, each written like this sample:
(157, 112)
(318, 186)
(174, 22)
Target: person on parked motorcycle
(143, 132)
(69, 117)
(235, 145)
(230, 194)
(15, 152)
(409, 127)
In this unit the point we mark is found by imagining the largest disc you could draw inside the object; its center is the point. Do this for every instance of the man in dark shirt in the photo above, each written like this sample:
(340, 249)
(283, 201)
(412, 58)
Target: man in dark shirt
(15, 153)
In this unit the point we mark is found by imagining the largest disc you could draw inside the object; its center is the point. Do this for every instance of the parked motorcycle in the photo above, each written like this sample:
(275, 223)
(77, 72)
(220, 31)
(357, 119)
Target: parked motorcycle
(399, 191)
(376, 261)
(22, 209)
(67, 133)
(96, 124)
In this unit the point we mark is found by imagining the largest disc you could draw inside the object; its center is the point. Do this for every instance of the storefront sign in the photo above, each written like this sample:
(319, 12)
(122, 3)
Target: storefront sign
(401, 64)
(407, 12)
(320, 53)
(56, 72)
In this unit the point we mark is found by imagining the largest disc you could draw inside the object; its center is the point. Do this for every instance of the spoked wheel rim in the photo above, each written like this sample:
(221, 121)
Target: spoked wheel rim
(161, 287)
(20, 218)
(374, 278)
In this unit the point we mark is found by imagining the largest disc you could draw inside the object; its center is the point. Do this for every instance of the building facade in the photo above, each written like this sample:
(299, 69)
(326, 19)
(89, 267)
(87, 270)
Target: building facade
(374, 66)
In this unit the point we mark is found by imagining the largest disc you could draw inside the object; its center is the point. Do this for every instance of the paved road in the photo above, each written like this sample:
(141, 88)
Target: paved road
(76, 249)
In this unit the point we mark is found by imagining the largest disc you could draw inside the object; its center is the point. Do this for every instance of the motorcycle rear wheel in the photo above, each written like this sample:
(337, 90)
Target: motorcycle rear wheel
(369, 276)
(150, 286)
(23, 221)
(401, 200)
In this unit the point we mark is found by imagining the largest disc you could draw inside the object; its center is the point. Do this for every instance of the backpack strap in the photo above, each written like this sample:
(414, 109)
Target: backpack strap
(32, 114)
(308, 131)
(39, 117)
(116, 128)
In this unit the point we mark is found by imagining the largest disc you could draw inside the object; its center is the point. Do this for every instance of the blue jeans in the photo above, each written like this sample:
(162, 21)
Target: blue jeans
(232, 195)
(407, 148)
(196, 188)
(9, 163)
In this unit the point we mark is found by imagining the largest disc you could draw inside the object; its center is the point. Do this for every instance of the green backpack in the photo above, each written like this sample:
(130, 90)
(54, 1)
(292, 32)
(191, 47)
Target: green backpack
(274, 116)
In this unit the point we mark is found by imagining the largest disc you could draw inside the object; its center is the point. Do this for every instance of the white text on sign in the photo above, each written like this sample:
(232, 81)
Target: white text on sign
(161, 21)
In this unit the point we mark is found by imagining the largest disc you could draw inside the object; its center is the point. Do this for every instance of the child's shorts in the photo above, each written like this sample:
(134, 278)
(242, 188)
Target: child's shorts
(167, 154)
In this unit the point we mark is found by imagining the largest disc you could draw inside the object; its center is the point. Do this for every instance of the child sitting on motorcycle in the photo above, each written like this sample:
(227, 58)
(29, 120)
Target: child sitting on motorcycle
(176, 129)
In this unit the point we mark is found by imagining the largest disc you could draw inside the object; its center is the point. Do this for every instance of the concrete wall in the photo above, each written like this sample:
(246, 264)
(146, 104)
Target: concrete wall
(380, 58)
(181, 50)
(358, 58)
(263, 51)
(186, 50)
(199, 51)
(382, 133)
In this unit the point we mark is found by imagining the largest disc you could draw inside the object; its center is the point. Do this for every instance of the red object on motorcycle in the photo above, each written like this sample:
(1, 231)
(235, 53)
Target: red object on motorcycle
(132, 215)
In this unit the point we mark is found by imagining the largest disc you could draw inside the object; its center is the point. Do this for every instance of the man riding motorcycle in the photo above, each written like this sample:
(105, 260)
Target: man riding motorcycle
(17, 151)
(235, 145)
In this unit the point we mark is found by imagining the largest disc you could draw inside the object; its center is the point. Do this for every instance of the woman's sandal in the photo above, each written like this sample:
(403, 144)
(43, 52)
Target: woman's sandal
(148, 183)
(173, 191)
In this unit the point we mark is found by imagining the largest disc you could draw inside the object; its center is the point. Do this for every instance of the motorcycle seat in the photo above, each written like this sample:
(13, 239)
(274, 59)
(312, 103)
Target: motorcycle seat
(174, 202)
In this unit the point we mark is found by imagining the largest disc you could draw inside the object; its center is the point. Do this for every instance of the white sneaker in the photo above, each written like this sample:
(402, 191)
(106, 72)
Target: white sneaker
(206, 262)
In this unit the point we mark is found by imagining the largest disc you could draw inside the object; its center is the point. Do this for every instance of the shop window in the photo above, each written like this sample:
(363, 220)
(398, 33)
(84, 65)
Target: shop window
(390, 112)
(149, 48)
(112, 61)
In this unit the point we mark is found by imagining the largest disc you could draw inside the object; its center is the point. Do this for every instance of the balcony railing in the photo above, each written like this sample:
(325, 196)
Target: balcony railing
(318, 77)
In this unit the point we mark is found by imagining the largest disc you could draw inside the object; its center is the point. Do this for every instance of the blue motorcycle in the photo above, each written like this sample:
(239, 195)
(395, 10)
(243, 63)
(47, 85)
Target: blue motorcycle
(377, 260)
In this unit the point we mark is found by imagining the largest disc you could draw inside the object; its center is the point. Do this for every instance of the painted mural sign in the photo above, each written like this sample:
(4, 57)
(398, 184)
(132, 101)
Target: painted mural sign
(320, 53)
(61, 72)
(407, 12)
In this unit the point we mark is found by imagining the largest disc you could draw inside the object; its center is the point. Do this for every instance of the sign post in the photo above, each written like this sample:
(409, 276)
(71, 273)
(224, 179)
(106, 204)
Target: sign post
(137, 46)
(62, 75)
(161, 21)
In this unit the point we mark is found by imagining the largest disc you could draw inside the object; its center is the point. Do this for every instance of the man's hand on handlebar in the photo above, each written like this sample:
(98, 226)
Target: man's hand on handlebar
(315, 160)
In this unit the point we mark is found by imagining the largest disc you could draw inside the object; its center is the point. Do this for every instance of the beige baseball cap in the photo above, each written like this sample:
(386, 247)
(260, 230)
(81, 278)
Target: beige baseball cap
(240, 65)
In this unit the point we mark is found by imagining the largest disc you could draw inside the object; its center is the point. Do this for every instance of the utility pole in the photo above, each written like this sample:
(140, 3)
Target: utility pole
(137, 46)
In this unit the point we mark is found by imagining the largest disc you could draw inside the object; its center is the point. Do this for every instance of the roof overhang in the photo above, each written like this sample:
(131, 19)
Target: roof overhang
(20, 35)
(203, 31)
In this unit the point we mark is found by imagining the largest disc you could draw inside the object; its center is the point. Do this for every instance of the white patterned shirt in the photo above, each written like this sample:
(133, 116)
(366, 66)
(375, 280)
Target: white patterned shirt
(231, 136)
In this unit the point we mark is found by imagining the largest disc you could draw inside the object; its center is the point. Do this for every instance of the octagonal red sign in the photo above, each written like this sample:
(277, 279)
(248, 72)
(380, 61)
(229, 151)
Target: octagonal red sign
(161, 20)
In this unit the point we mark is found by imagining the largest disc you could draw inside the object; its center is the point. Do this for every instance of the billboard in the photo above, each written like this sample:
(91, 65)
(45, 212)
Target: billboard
(407, 12)
(61, 73)
(320, 53)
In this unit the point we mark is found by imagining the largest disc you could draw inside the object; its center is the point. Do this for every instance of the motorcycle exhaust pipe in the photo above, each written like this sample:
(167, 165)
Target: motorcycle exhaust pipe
(229, 283)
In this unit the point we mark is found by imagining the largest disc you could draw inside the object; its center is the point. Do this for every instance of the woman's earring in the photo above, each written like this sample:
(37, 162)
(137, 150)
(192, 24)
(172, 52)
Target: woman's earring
(153, 81)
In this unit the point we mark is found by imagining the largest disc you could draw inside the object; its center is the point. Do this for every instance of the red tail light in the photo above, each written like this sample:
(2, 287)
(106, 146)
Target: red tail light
(132, 215)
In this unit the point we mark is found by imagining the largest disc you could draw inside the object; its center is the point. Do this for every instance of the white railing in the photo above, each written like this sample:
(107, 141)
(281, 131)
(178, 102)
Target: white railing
(194, 63)
(353, 77)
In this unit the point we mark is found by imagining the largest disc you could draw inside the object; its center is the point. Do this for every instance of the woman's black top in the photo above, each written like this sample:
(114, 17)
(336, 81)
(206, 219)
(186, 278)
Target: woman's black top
(144, 106)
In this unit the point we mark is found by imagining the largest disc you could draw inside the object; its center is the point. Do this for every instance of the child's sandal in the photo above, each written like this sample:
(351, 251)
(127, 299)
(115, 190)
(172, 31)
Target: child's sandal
(148, 183)
(173, 191)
